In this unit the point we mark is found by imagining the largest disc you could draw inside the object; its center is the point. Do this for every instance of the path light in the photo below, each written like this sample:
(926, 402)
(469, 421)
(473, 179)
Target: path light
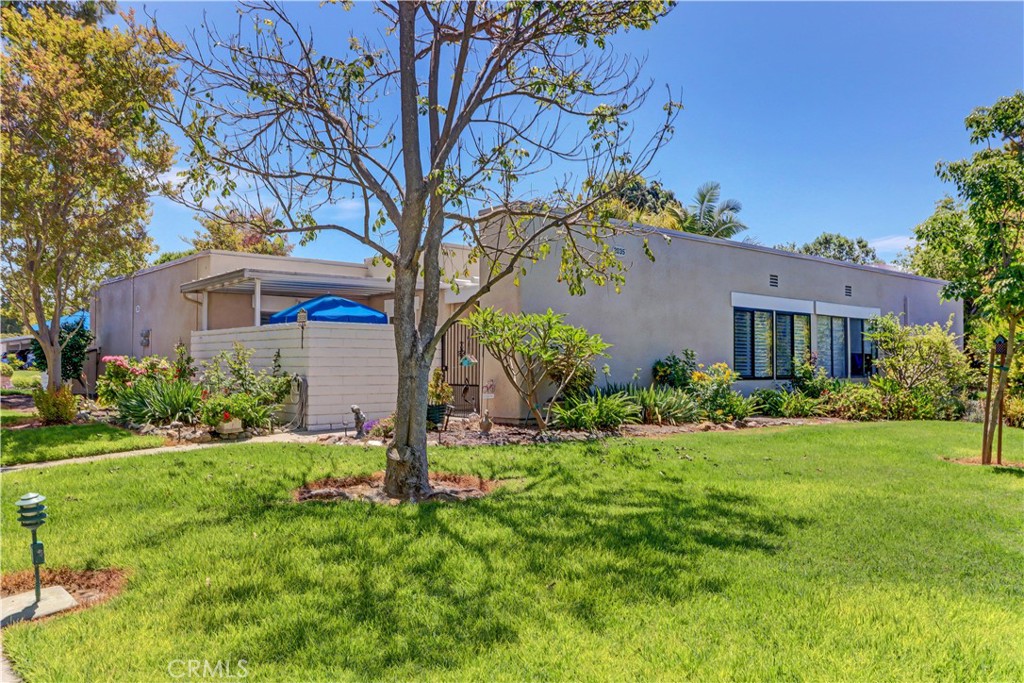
(32, 515)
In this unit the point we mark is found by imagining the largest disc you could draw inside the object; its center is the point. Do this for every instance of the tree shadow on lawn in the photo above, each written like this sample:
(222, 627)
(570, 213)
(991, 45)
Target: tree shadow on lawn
(432, 585)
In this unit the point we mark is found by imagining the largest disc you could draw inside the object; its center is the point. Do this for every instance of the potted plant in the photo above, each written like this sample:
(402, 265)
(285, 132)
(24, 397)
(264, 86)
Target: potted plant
(229, 424)
(439, 396)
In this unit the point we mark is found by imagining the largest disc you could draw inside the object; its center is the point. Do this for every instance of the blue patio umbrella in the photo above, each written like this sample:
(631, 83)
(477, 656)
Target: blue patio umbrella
(332, 309)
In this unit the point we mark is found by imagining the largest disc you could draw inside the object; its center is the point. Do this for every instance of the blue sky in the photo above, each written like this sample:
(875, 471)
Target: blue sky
(816, 116)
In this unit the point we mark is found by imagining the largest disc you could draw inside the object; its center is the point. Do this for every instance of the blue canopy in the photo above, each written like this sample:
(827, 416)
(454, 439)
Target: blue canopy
(73, 318)
(331, 309)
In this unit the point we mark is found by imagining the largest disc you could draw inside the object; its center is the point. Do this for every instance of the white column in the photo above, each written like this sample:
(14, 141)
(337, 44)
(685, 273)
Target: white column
(256, 303)
(204, 320)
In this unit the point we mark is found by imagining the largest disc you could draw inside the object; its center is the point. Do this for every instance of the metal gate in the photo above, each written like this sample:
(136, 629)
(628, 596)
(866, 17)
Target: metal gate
(460, 356)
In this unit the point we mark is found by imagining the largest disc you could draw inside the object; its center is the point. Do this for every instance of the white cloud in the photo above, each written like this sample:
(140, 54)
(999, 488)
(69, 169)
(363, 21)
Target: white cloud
(891, 243)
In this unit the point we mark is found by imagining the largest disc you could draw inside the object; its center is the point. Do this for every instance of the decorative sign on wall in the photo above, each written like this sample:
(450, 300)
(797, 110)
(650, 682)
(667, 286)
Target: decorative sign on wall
(488, 389)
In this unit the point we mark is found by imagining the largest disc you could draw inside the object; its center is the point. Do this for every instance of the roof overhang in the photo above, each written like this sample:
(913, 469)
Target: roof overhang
(282, 283)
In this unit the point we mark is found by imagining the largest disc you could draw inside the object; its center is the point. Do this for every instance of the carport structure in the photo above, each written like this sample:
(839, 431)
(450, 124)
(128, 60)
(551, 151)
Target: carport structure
(260, 283)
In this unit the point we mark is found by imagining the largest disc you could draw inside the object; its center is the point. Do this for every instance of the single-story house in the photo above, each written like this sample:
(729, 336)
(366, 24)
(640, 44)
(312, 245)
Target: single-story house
(212, 299)
(755, 308)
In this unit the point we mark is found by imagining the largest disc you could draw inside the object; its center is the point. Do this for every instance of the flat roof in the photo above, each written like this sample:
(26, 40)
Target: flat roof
(643, 228)
(283, 283)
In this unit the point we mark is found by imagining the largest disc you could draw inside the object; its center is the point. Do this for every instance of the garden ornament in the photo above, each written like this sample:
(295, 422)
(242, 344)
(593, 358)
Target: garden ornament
(485, 423)
(360, 421)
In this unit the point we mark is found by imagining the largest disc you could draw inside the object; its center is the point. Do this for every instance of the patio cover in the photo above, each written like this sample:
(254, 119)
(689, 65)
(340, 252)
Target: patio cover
(331, 309)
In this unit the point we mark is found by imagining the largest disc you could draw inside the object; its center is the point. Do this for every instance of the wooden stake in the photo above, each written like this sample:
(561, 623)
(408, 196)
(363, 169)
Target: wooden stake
(986, 450)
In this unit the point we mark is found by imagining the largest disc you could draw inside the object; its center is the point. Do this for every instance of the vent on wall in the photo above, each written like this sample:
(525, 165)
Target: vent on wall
(849, 290)
(773, 280)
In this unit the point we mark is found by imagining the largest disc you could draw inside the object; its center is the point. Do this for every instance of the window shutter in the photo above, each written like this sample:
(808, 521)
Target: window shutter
(763, 365)
(742, 335)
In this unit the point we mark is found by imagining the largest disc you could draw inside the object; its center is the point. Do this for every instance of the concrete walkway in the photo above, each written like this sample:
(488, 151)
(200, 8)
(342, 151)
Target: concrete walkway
(277, 437)
(7, 674)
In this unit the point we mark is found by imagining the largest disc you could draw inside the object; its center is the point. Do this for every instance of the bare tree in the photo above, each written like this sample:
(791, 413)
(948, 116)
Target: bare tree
(450, 109)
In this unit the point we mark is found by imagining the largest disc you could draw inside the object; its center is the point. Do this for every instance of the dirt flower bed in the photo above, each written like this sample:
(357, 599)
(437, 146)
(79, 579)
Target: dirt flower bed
(90, 587)
(976, 460)
(446, 486)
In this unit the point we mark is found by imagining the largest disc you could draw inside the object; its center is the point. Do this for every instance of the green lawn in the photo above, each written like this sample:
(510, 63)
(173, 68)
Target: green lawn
(39, 444)
(25, 378)
(11, 418)
(840, 552)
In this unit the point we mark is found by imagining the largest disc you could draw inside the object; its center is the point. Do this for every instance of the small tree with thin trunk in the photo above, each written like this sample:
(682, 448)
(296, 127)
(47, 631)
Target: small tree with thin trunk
(447, 109)
(537, 352)
(81, 152)
(987, 254)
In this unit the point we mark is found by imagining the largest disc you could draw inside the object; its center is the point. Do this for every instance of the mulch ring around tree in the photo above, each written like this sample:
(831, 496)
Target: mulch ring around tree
(976, 460)
(90, 587)
(446, 487)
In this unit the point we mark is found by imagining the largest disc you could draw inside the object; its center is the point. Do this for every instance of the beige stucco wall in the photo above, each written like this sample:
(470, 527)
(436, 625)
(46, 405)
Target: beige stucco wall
(684, 300)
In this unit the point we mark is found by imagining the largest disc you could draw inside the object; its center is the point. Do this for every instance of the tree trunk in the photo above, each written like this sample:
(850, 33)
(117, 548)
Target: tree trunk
(52, 353)
(406, 476)
(997, 400)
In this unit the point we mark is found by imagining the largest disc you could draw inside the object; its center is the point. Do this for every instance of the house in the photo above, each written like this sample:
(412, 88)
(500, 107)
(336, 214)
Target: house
(212, 299)
(755, 308)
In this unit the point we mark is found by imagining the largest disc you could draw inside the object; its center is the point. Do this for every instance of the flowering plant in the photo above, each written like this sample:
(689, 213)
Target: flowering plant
(122, 371)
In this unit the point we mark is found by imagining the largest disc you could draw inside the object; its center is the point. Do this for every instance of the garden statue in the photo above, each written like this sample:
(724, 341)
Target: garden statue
(485, 423)
(360, 421)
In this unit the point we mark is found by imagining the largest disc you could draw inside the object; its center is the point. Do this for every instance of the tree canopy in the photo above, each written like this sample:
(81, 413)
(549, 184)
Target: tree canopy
(81, 151)
(441, 111)
(984, 253)
(836, 246)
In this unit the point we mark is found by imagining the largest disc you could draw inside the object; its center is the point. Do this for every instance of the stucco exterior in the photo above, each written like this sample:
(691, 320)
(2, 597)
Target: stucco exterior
(685, 299)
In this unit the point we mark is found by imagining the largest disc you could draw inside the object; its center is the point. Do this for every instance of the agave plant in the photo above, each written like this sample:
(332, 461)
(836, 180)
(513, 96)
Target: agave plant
(149, 401)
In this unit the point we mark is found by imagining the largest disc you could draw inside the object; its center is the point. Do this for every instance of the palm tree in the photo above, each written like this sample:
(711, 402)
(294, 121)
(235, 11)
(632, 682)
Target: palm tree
(706, 216)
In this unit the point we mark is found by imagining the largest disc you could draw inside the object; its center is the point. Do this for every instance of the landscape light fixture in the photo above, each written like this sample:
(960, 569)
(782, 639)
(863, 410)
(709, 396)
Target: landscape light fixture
(301, 317)
(32, 515)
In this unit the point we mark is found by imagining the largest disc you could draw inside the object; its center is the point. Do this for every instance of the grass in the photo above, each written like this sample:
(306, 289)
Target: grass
(41, 444)
(26, 380)
(836, 552)
(11, 418)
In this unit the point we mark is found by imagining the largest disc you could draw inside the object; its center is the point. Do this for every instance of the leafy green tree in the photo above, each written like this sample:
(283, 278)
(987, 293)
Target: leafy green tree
(834, 245)
(986, 256)
(443, 109)
(638, 195)
(88, 11)
(709, 214)
(533, 349)
(75, 341)
(246, 231)
(81, 152)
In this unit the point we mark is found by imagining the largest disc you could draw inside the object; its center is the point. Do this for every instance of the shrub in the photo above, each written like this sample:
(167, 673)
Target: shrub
(76, 340)
(712, 389)
(532, 349)
(1013, 411)
(675, 371)
(579, 384)
(853, 401)
(6, 370)
(439, 392)
(30, 382)
(811, 380)
(231, 373)
(599, 412)
(58, 407)
(769, 401)
(925, 375)
(183, 365)
(15, 362)
(664, 405)
(253, 413)
(158, 401)
(382, 429)
(797, 404)
(122, 372)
